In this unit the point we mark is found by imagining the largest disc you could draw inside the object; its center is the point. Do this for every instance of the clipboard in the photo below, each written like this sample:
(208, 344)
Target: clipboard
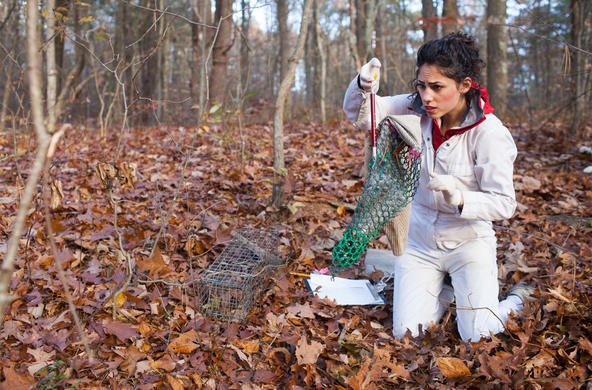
(344, 291)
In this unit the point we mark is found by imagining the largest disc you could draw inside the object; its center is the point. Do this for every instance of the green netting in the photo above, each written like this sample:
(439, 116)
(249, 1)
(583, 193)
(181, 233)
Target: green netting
(389, 186)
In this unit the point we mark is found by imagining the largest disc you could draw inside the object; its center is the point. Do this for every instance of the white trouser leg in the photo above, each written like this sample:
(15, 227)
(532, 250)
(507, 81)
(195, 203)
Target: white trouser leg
(420, 297)
(473, 270)
(416, 299)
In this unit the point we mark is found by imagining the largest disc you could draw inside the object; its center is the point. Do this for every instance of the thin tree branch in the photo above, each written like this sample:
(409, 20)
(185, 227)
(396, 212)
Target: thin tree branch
(165, 12)
(53, 246)
(524, 29)
(36, 97)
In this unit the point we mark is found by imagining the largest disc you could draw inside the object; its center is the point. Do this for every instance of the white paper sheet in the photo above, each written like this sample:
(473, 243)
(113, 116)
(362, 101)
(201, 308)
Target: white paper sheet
(344, 291)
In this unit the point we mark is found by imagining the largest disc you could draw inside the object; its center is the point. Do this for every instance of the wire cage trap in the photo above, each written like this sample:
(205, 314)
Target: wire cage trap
(229, 286)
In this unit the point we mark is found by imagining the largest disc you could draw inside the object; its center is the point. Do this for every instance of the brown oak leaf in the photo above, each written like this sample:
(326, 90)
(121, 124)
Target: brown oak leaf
(452, 367)
(308, 353)
(185, 343)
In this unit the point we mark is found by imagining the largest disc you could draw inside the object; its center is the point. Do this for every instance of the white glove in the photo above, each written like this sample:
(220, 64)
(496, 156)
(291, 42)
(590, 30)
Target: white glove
(370, 76)
(447, 185)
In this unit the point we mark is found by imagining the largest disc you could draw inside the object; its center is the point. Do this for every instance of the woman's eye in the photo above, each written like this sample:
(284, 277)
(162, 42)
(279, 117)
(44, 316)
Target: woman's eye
(437, 87)
(420, 86)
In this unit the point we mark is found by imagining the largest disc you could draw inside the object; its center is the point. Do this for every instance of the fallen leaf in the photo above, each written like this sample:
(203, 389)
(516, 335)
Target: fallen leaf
(155, 264)
(586, 345)
(241, 355)
(57, 194)
(143, 366)
(132, 357)
(121, 330)
(166, 363)
(40, 355)
(175, 384)
(559, 294)
(59, 338)
(185, 343)
(540, 360)
(452, 367)
(263, 376)
(308, 353)
(14, 380)
(249, 346)
(302, 311)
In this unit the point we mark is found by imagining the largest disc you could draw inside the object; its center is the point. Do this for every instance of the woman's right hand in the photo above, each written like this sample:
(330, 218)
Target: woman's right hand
(370, 76)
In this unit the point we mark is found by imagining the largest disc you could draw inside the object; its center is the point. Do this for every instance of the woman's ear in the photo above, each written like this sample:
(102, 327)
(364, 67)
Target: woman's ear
(465, 85)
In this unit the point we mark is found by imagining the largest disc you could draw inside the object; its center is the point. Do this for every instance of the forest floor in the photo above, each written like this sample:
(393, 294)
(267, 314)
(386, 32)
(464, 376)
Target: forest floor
(158, 338)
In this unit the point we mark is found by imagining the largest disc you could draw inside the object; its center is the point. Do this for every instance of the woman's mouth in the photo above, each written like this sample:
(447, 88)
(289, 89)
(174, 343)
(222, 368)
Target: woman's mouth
(430, 109)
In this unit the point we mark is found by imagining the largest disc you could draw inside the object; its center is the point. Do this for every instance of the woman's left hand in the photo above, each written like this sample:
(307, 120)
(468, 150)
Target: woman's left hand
(447, 185)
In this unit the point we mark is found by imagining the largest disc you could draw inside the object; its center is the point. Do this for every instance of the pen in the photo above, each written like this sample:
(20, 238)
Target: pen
(299, 274)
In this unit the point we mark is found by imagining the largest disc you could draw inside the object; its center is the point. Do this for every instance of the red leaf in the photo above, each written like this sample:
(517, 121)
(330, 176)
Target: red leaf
(121, 330)
(263, 376)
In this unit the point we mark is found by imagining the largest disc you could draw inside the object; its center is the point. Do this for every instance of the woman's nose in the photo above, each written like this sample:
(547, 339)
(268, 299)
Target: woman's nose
(426, 96)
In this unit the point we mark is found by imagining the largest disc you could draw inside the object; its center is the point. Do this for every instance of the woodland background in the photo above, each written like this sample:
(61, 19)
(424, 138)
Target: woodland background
(138, 135)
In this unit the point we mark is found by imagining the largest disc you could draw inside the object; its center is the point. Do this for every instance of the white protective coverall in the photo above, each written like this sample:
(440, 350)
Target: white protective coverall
(441, 239)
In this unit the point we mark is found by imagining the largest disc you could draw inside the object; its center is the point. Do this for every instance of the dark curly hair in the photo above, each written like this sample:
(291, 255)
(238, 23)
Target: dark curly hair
(457, 57)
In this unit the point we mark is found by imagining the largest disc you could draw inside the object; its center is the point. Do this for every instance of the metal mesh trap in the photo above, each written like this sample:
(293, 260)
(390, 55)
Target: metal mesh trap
(229, 286)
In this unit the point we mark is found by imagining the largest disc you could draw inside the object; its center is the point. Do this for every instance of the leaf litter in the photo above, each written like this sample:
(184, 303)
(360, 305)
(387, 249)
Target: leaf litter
(159, 338)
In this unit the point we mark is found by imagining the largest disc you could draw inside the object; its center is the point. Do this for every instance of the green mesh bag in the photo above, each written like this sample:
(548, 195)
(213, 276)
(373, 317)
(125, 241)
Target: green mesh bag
(389, 186)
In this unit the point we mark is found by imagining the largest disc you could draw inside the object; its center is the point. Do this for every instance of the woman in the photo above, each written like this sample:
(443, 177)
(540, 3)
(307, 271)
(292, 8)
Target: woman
(465, 183)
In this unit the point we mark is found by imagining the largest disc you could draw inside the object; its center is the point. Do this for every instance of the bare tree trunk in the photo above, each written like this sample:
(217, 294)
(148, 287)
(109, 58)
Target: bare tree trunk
(449, 16)
(310, 59)
(195, 68)
(284, 47)
(14, 36)
(5, 95)
(52, 70)
(365, 14)
(200, 39)
(166, 77)
(279, 170)
(381, 36)
(361, 47)
(352, 35)
(497, 69)
(63, 7)
(123, 54)
(283, 35)
(197, 35)
(430, 26)
(43, 138)
(149, 65)
(370, 16)
(221, 53)
(245, 49)
(579, 12)
(161, 71)
(321, 64)
(80, 55)
(245, 70)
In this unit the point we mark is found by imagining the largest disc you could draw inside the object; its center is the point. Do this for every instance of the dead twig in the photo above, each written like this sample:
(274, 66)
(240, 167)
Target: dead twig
(559, 247)
(53, 246)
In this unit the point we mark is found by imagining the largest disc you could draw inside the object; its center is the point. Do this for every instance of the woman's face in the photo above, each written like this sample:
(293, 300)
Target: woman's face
(440, 94)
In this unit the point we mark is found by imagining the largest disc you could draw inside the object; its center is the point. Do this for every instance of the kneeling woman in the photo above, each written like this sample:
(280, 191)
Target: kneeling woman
(465, 183)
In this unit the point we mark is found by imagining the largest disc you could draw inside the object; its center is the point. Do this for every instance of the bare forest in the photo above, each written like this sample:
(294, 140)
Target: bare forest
(137, 139)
